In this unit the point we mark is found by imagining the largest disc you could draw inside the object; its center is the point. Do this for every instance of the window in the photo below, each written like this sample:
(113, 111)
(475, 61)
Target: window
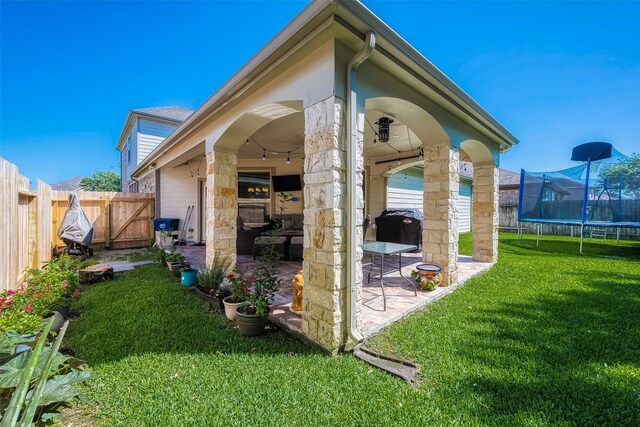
(129, 153)
(133, 187)
(254, 195)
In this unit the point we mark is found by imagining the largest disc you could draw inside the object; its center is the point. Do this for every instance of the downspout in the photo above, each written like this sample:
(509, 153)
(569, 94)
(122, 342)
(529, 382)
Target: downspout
(352, 153)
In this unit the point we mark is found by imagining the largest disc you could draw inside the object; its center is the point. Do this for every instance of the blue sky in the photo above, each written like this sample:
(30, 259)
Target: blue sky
(556, 74)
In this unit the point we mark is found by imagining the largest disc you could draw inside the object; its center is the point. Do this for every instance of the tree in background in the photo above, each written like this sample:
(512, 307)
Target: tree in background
(629, 171)
(101, 181)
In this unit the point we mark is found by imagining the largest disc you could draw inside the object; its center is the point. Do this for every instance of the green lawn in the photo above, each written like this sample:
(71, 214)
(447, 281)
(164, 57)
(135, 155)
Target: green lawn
(545, 337)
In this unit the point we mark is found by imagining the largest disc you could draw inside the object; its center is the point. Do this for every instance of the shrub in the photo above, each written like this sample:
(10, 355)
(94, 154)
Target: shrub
(213, 276)
(45, 290)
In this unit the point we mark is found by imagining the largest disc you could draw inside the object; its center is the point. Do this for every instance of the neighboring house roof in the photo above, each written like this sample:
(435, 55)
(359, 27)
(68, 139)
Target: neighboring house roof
(70, 184)
(172, 114)
(356, 18)
(509, 187)
(177, 114)
(509, 179)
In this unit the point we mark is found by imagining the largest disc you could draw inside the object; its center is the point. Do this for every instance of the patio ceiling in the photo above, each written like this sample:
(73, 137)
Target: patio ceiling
(286, 134)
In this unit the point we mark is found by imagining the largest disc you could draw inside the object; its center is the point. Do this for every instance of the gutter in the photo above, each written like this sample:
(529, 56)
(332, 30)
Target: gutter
(352, 182)
(438, 81)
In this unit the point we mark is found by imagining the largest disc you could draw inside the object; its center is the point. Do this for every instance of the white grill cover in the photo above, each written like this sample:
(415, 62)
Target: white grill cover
(75, 226)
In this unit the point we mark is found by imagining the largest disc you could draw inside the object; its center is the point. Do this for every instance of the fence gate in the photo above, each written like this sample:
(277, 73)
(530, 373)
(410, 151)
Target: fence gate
(120, 220)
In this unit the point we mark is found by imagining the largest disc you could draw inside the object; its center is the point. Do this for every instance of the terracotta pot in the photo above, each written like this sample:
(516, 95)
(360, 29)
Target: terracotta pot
(251, 325)
(230, 308)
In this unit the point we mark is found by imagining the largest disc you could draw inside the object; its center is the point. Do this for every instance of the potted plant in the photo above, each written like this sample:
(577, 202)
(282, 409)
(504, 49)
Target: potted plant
(239, 286)
(175, 261)
(188, 276)
(159, 255)
(210, 280)
(253, 315)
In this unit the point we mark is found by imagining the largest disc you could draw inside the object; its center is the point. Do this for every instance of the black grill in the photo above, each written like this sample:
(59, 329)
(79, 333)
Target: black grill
(400, 226)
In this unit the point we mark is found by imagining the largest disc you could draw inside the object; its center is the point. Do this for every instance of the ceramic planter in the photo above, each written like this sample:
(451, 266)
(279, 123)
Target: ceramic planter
(230, 308)
(428, 276)
(251, 325)
(188, 278)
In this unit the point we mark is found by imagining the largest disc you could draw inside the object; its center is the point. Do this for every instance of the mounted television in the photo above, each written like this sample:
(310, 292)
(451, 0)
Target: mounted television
(286, 183)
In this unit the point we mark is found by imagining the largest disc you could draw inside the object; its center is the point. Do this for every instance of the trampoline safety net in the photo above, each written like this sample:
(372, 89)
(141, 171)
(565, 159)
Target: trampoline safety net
(602, 191)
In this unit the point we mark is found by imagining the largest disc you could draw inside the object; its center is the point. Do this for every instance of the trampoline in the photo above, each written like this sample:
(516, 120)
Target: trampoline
(603, 191)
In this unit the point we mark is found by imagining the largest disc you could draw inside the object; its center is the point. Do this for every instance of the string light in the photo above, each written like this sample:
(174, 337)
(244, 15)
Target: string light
(264, 154)
(289, 157)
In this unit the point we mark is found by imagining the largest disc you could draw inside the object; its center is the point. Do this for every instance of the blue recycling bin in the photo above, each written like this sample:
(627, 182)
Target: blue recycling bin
(165, 224)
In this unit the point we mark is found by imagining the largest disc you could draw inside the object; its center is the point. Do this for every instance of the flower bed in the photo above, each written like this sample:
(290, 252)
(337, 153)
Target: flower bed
(46, 290)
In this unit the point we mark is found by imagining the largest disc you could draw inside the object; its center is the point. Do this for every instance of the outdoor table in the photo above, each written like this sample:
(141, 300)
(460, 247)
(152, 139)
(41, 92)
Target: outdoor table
(288, 233)
(388, 248)
(256, 224)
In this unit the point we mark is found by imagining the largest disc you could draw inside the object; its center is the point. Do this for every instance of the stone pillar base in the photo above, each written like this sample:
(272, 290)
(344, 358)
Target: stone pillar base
(441, 186)
(222, 206)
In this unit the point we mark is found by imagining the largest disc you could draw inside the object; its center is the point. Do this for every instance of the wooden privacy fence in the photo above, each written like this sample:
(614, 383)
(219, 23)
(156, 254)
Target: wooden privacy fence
(25, 225)
(120, 220)
(29, 221)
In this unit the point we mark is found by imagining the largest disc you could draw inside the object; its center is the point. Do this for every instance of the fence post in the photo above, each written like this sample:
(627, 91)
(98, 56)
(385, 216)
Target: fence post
(107, 222)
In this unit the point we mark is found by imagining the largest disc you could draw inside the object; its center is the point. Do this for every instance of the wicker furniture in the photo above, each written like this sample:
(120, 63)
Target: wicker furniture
(245, 237)
(295, 247)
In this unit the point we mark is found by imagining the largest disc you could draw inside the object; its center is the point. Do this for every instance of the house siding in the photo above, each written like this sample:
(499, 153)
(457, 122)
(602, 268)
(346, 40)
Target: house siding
(150, 133)
(376, 201)
(464, 206)
(131, 146)
(178, 191)
(406, 191)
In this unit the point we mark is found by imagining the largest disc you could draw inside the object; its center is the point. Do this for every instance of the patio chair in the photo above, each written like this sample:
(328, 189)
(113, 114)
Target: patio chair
(295, 247)
(245, 237)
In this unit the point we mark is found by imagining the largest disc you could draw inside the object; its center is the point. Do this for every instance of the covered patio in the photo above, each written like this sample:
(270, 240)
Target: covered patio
(401, 300)
(313, 103)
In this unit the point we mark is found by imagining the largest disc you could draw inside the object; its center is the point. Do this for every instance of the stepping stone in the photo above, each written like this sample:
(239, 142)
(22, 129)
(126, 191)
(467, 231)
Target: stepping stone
(96, 273)
(137, 263)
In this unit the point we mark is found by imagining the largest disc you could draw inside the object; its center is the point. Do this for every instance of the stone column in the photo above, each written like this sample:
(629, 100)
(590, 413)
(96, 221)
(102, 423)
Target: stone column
(485, 213)
(441, 188)
(325, 251)
(222, 205)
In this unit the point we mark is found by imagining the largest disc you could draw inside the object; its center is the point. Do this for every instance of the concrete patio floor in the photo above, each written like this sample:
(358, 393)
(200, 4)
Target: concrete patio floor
(401, 300)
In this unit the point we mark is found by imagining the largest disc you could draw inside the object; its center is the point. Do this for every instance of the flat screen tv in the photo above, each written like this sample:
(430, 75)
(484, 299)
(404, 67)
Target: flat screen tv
(286, 183)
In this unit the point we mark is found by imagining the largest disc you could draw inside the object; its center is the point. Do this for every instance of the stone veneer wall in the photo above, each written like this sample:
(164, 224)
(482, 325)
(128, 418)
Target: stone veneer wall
(147, 184)
(441, 186)
(485, 213)
(325, 228)
(222, 205)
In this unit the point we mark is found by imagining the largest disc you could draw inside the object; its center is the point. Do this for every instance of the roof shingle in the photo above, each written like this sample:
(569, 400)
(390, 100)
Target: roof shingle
(174, 113)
